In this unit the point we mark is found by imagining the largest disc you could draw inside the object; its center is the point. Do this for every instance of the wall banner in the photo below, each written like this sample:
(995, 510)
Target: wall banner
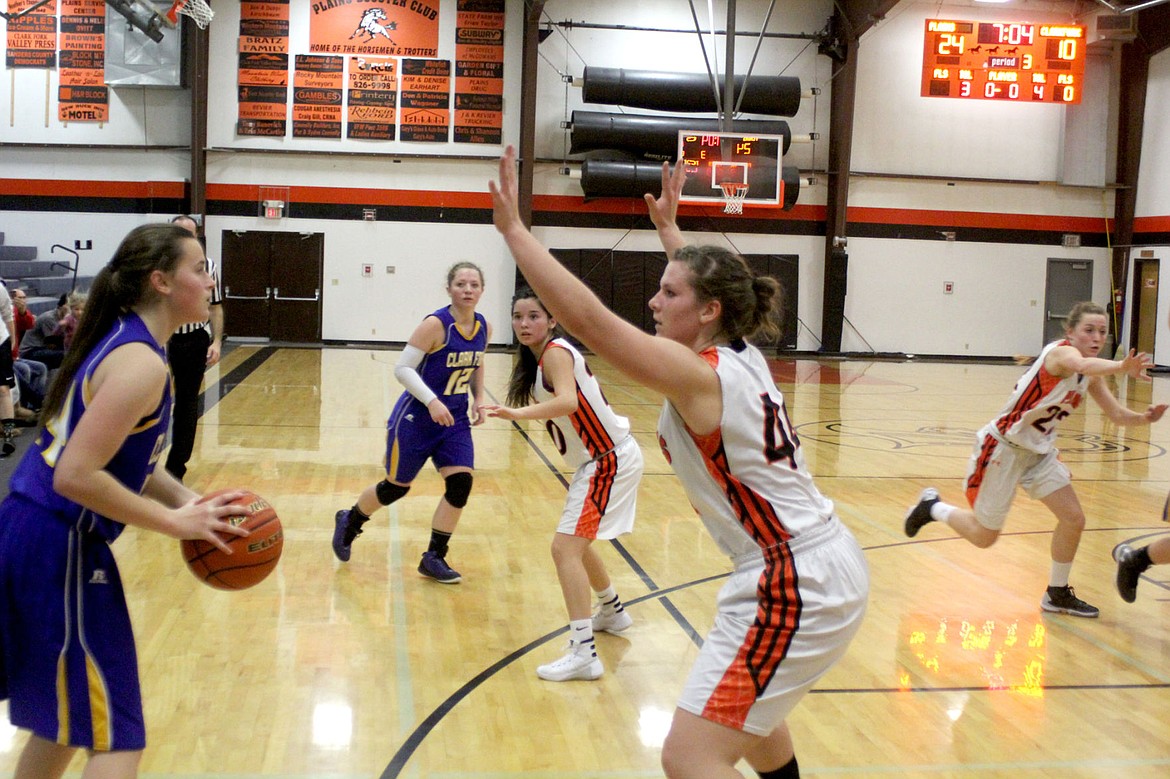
(262, 74)
(426, 101)
(32, 38)
(479, 72)
(372, 98)
(82, 94)
(317, 91)
(389, 28)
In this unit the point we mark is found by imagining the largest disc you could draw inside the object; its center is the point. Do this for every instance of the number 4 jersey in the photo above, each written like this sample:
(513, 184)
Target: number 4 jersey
(747, 479)
(1039, 401)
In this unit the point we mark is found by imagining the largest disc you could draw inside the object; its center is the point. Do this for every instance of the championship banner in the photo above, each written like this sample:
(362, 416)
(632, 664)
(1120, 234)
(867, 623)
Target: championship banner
(317, 88)
(32, 38)
(479, 72)
(426, 100)
(372, 98)
(262, 75)
(389, 28)
(81, 62)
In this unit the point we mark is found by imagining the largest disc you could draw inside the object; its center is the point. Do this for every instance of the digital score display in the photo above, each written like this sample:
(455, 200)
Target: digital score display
(715, 159)
(1018, 62)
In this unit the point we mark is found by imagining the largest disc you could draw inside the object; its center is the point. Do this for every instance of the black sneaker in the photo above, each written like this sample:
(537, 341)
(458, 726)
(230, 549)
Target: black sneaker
(1062, 600)
(920, 514)
(434, 567)
(1128, 571)
(344, 532)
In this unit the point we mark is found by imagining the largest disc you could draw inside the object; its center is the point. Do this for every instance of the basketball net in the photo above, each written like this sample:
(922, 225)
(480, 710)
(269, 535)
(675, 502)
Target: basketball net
(198, 10)
(734, 194)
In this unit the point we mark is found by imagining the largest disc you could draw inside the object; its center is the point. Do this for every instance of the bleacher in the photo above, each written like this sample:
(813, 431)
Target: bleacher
(44, 280)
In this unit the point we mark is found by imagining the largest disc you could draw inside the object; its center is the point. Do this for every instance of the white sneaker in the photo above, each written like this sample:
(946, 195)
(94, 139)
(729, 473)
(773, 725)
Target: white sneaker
(611, 622)
(580, 662)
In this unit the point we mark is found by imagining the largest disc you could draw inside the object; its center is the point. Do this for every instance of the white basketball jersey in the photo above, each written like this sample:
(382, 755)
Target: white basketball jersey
(593, 429)
(747, 479)
(1038, 402)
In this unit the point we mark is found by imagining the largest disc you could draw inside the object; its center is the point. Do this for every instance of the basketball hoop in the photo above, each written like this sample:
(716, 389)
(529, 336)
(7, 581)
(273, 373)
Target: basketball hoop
(734, 193)
(198, 10)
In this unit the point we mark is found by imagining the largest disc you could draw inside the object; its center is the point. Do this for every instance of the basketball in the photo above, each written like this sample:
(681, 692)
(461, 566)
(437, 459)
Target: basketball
(252, 558)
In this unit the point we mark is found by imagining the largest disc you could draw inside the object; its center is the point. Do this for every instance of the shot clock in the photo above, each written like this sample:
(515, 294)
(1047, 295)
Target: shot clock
(1018, 62)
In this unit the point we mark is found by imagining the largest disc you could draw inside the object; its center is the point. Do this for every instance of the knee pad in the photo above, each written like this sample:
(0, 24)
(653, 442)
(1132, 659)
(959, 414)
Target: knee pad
(458, 488)
(389, 492)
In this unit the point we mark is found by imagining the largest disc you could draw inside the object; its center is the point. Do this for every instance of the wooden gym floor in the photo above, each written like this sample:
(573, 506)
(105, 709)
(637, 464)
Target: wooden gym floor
(367, 670)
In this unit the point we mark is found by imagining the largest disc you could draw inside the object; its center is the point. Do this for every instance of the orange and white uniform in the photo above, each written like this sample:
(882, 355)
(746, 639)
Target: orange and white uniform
(596, 442)
(798, 592)
(1018, 447)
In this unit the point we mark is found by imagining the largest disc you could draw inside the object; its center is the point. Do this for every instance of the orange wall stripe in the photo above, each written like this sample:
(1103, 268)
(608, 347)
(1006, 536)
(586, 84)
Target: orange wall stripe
(112, 189)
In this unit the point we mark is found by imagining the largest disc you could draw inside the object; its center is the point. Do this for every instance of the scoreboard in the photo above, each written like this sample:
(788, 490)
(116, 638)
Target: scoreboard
(1019, 62)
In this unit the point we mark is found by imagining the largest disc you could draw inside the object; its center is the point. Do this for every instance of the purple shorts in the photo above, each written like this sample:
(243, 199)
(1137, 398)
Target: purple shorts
(412, 437)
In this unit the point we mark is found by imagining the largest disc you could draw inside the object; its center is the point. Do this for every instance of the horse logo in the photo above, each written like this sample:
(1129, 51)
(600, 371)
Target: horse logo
(371, 26)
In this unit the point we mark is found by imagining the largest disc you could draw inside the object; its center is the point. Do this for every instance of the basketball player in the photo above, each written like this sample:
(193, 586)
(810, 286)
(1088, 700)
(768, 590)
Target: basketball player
(798, 591)
(1018, 449)
(603, 494)
(68, 664)
(441, 364)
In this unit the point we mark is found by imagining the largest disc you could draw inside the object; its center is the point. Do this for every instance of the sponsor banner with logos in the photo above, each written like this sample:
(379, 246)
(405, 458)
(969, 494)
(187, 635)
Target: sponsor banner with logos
(262, 77)
(318, 83)
(372, 98)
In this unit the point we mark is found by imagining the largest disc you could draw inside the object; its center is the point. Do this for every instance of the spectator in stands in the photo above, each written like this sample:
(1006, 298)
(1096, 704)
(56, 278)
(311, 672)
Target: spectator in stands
(22, 318)
(41, 343)
(68, 324)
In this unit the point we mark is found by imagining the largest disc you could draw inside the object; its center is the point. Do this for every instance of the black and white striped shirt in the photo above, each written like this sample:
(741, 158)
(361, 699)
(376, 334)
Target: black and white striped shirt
(216, 299)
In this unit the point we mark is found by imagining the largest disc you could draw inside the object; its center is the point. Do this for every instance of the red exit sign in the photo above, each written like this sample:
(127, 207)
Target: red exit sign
(1020, 62)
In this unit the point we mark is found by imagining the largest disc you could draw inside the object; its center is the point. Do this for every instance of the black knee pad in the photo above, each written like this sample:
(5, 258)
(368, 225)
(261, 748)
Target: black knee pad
(388, 492)
(458, 488)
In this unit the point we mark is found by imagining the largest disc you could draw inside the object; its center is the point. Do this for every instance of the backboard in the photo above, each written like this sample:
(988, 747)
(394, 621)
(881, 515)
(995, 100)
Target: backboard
(715, 159)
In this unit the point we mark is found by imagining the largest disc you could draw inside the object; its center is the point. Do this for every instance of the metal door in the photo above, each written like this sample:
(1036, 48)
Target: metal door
(1068, 282)
(272, 285)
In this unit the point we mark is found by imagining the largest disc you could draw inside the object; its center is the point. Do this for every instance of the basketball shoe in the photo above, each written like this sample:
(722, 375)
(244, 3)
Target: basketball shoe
(344, 532)
(579, 662)
(434, 567)
(611, 621)
(1062, 600)
(920, 514)
(1129, 570)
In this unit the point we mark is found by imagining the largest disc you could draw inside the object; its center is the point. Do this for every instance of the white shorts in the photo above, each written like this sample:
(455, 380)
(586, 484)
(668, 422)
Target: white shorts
(603, 495)
(763, 655)
(997, 468)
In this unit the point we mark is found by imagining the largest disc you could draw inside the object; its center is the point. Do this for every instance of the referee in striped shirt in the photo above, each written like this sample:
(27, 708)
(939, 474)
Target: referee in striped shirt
(191, 350)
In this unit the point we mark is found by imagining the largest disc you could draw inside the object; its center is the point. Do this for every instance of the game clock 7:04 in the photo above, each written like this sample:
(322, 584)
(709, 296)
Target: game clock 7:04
(1021, 62)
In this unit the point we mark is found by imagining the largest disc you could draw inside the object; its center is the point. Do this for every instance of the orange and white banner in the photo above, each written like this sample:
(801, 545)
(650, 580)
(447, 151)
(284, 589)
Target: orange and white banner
(317, 91)
(32, 38)
(479, 72)
(262, 74)
(372, 98)
(426, 101)
(389, 28)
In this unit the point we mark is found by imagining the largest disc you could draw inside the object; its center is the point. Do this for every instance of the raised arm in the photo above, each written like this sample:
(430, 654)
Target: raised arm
(658, 363)
(664, 209)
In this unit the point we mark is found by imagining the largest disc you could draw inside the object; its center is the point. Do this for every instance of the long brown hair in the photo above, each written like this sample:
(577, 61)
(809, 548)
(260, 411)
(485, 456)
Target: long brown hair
(523, 377)
(123, 283)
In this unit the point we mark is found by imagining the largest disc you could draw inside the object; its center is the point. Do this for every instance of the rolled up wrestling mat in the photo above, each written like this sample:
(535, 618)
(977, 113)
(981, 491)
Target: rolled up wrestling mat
(659, 91)
(656, 137)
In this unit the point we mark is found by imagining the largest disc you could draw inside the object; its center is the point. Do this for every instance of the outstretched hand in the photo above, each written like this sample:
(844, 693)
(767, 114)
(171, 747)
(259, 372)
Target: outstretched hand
(1154, 413)
(501, 412)
(1136, 364)
(664, 208)
(505, 194)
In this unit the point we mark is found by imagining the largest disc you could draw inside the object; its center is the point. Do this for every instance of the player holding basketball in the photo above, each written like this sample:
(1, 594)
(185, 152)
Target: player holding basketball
(798, 590)
(1018, 448)
(603, 495)
(69, 667)
(441, 364)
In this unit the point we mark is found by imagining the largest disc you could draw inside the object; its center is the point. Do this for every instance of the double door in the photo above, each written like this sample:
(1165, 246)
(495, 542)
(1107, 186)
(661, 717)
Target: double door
(272, 285)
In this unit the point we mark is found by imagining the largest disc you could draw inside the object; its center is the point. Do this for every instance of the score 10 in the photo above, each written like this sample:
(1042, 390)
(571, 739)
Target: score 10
(994, 84)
